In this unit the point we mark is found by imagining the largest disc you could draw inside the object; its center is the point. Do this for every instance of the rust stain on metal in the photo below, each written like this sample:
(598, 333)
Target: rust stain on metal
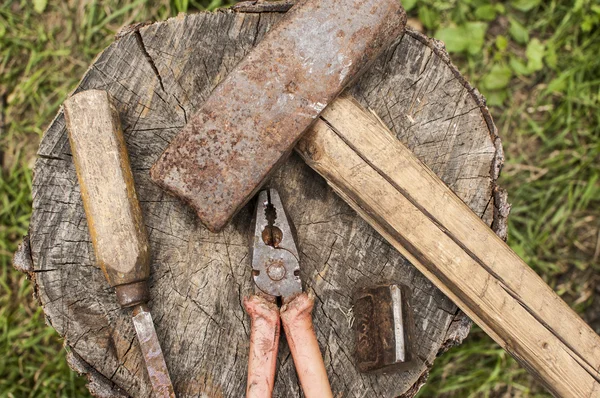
(384, 328)
(254, 117)
(132, 294)
(153, 356)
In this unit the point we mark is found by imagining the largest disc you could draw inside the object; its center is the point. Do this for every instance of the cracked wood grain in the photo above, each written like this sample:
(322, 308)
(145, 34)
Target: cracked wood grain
(198, 279)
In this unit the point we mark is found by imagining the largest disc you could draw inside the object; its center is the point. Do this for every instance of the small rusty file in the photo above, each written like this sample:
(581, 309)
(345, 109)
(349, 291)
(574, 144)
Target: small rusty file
(252, 119)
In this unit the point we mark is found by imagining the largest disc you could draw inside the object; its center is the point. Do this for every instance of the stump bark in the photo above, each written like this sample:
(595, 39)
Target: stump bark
(159, 74)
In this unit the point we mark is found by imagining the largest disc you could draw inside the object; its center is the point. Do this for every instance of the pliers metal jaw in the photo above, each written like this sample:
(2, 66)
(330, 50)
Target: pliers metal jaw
(276, 273)
(275, 264)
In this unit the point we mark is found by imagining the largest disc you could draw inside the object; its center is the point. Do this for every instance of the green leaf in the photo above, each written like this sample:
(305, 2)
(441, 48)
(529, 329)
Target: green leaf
(519, 67)
(588, 22)
(525, 5)
(558, 85)
(518, 31)
(551, 58)
(495, 98)
(486, 12)
(409, 4)
(40, 5)
(454, 38)
(429, 17)
(501, 42)
(497, 78)
(459, 11)
(469, 37)
(535, 55)
(475, 34)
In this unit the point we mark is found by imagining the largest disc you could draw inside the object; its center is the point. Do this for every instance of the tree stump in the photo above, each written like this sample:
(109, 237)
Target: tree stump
(159, 74)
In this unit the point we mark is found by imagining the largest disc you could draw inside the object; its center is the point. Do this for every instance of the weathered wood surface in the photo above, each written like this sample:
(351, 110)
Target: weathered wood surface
(158, 75)
(420, 216)
(113, 214)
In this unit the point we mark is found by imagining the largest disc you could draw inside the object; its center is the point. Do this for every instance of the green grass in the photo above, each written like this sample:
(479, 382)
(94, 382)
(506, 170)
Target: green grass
(536, 62)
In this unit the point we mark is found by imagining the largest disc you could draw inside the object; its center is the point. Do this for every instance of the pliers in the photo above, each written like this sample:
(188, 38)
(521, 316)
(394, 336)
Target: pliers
(276, 274)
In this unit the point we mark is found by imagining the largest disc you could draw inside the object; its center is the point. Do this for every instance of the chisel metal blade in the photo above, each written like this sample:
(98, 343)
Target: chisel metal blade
(153, 355)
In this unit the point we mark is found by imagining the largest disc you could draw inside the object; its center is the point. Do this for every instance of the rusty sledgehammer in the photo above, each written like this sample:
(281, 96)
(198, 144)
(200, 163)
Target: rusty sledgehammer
(252, 120)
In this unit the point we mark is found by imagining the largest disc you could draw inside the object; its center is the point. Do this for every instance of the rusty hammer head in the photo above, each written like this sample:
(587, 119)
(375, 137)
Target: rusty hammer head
(252, 120)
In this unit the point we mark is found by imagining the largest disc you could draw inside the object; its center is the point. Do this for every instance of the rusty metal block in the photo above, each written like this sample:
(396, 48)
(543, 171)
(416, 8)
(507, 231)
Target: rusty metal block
(384, 328)
(252, 120)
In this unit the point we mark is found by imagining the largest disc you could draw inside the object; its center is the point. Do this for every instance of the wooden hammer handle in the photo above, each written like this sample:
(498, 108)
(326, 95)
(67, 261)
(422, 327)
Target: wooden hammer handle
(426, 222)
(296, 317)
(111, 206)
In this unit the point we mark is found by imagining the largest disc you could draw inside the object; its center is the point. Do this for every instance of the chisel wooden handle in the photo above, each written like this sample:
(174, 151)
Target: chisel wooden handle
(109, 199)
(264, 341)
(296, 317)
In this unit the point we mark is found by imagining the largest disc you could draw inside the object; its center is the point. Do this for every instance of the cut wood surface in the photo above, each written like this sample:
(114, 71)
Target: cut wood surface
(421, 217)
(158, 75)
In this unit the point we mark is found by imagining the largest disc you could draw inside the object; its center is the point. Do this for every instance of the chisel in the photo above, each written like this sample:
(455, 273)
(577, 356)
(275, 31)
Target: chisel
(114, 217)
